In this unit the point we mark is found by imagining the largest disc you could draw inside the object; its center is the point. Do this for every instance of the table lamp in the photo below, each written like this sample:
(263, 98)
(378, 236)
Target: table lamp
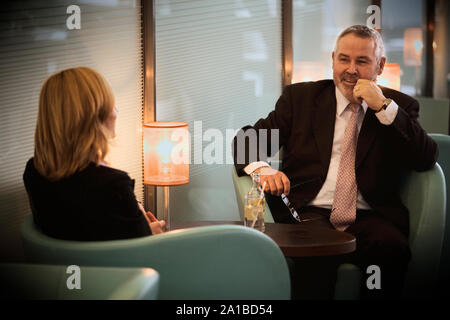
(166, 157)
(391, 76)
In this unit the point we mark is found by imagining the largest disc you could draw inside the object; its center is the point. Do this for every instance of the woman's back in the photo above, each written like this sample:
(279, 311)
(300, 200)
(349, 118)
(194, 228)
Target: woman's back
(94, 204)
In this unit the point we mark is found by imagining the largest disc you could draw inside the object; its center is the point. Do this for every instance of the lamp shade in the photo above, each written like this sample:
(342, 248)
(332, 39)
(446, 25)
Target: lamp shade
(412, 47)
(308, 71)
(391, 76)
(166, 153)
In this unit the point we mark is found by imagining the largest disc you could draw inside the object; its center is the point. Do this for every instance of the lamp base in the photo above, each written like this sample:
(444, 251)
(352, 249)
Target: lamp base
(166, 207)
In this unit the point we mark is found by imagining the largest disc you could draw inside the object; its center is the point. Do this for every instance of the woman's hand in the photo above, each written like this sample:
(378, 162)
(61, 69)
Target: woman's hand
(155, 225)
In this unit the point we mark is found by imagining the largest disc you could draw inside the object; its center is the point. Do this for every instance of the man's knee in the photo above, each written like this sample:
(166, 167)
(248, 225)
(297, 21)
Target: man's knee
(389, 251)
(380, 241)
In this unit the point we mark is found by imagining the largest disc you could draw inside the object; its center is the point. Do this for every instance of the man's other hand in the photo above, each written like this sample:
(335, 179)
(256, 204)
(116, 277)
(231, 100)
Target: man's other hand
(370, 92)
(276, 181)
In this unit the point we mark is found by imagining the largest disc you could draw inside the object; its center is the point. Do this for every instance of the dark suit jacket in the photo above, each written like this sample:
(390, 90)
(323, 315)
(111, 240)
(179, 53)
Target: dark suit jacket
(94, 204)
(305, 115)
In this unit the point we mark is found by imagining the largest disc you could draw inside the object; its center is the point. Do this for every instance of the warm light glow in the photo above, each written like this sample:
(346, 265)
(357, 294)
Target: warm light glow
(413, 47)
(308, 71)
(418, 45)
(164, 149)
(166, 153)
(391, 76)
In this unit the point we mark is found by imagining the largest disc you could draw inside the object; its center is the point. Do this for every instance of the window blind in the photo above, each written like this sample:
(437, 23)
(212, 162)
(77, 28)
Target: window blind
(218, 62)
(36, 42)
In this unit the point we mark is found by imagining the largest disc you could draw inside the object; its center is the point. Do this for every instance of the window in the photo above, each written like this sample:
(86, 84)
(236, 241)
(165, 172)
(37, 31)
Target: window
(218, 67)
(317, 23)
(316, 26)
(37, 42)
(404, 40)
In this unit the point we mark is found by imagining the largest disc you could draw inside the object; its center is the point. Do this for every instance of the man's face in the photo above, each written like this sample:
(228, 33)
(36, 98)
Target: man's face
(354, 59)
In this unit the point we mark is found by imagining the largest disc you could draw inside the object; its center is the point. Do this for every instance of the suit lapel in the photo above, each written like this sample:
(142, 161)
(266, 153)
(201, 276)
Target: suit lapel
(366, 136)
(323, 126)
(324, 121)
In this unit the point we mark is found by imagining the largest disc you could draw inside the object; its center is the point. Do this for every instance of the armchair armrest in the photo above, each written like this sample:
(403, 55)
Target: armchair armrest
(212, 262)
(39, 281)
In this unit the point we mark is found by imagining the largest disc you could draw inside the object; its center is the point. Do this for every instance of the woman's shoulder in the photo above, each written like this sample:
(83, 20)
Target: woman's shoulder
(96, 174)
(31, 172)
(29, 167)
(107, 171)
(103, 176)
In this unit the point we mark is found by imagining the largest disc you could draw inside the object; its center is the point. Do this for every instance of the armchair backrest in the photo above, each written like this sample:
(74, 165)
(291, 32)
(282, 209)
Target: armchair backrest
(424, 194)
(212, 262)
(443, 142)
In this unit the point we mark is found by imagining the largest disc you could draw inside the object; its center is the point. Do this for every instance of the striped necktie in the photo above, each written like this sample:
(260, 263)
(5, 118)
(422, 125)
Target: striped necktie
(343, 212)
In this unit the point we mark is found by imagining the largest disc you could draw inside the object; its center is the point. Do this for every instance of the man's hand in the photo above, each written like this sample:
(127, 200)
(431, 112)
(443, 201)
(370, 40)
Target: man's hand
(276, 181)
(370, 92)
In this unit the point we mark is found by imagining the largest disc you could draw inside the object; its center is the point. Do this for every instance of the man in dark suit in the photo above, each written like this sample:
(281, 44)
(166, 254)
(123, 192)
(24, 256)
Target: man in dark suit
(347, 143)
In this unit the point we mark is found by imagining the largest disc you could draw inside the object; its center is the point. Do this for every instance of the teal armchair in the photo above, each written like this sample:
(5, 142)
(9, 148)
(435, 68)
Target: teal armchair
(443, 142)
(49, 282)
(424, 194)
(348, 275)
(212, 262)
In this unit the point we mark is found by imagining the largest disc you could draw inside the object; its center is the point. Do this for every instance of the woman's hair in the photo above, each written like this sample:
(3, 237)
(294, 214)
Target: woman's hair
(70, 131)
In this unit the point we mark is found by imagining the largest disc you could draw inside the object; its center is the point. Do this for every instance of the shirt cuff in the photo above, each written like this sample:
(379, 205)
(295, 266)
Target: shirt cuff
(255, 165)
(387, 116)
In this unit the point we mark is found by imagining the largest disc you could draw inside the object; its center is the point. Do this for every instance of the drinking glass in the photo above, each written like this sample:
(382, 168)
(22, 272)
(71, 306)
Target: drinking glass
(254, 212)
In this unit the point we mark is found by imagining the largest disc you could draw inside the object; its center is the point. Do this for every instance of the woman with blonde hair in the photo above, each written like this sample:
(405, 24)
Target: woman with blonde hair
(73, 194)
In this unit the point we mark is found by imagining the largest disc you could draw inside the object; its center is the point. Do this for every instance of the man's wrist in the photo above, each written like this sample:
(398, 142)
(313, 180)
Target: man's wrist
(387, 116)
(380, 104)
(259, 169)
(384, 105)
(249, 169)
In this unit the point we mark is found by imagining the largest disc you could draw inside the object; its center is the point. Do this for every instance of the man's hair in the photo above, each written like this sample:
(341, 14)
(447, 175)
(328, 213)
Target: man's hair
(363, 31)
(70, 130)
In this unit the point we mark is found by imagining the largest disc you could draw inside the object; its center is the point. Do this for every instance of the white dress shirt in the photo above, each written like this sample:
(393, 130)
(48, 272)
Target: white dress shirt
(325, 196)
